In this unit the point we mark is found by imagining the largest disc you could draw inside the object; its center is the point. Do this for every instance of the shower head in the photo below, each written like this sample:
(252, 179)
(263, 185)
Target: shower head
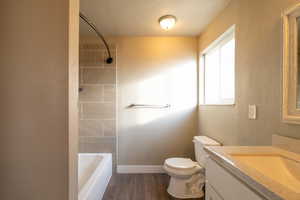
(109, 60)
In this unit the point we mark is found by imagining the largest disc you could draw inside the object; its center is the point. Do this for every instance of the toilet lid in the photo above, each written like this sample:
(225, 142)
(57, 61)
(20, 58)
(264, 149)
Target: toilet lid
(180, 163)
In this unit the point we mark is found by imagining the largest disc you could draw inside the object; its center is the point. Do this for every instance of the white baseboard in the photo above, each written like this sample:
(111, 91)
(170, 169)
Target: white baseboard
(140, 169)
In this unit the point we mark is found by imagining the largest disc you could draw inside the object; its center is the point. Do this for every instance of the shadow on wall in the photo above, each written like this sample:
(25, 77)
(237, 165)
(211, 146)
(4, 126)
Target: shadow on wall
(150, 139)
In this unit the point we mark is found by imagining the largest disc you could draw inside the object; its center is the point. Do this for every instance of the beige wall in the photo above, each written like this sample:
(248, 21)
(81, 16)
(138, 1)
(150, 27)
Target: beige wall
(35, 87)
(156, 70)
(258, 74)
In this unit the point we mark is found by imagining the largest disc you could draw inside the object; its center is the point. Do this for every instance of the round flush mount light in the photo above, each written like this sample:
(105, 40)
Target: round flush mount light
(167, 22)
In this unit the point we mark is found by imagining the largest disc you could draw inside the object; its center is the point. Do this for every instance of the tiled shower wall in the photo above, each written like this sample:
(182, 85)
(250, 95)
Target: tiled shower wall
(97, 100)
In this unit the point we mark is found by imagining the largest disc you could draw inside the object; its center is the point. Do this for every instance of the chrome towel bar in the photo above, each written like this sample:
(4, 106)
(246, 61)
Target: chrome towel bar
(149, 106)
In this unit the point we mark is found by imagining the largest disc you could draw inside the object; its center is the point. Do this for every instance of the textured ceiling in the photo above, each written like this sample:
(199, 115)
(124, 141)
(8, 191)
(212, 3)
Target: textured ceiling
(140, 17)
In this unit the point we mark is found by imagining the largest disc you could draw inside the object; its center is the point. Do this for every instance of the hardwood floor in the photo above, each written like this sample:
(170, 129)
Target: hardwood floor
(138, 187)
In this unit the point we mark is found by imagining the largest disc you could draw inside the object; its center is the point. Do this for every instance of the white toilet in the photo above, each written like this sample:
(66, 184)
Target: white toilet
(187, 176)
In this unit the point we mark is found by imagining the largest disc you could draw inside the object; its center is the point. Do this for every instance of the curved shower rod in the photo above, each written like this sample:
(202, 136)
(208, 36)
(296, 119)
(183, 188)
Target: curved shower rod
(109, 60)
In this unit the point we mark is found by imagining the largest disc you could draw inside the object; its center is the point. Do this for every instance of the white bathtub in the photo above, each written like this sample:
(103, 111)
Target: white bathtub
(94, 173)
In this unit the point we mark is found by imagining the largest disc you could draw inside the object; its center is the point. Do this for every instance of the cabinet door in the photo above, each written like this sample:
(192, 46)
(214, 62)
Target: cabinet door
(210, 193)
(227, 185)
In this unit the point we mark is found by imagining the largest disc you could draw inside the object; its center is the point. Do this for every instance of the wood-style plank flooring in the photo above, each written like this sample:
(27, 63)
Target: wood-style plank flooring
(138, 187)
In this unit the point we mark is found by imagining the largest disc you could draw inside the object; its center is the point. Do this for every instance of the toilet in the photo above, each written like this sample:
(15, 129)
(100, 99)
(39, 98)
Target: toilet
(187, 176)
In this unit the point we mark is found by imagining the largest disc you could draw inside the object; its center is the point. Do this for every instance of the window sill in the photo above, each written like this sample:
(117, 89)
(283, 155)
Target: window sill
(229, 104)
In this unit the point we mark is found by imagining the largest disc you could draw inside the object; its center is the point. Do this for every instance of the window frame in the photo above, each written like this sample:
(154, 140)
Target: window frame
(220, 41)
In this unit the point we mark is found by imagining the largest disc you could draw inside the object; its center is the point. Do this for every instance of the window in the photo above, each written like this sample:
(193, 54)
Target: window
(217, 71)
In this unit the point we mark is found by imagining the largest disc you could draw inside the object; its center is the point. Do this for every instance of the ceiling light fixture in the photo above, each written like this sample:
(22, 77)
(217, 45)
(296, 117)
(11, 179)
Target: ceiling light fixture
(167, 22)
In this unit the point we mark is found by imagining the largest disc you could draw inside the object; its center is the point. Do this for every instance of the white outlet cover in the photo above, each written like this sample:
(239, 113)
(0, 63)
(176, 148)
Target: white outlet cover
(252, 112)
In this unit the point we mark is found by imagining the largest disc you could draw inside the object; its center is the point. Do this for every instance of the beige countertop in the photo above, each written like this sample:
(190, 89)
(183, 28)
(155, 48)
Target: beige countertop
(271, 187)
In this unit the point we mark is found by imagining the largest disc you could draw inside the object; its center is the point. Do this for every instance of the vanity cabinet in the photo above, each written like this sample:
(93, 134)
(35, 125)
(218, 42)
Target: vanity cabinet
(210, 193)
(222, 185)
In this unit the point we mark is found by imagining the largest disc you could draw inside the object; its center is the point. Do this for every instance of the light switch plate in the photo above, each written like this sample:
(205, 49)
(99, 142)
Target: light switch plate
(252, 112)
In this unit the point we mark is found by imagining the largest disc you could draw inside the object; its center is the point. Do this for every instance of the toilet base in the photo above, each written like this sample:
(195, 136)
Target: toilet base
(186, 188)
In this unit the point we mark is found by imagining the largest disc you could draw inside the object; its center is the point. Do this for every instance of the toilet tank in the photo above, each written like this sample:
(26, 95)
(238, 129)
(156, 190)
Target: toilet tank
(200, 142)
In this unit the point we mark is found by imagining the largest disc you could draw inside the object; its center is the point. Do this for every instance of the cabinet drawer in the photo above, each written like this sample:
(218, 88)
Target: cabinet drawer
(226, 185)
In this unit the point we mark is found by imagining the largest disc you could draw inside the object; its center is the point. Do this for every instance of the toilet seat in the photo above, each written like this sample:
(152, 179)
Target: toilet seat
(181, 167)
(180, 163)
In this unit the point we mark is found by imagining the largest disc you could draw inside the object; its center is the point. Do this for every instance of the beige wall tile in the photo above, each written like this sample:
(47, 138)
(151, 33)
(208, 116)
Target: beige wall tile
(109, 93)
(80, 76)
(90, 128)
(86, 58)
(99, 58)
(109, 127)
(99, 76)
(91, 58)
(90, 46)
(80, 110)
(98, 145)
(94, 44)
(93, 139)
(91, 93)
(81, 147)
(98, 111)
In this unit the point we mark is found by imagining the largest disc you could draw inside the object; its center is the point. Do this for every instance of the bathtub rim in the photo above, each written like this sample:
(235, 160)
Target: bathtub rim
(88, 186)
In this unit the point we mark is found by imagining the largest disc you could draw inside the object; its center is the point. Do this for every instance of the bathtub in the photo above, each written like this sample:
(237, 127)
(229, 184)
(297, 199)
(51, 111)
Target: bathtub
(94, 173)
